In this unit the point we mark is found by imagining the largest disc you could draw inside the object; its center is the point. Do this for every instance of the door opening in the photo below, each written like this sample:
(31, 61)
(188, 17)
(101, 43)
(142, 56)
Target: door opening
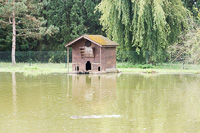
(88, 66)
(99, 68)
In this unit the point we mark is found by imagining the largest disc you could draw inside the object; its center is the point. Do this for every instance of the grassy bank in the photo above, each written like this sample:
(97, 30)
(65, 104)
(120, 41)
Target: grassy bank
(161, 68)
(34, 68)
(124, 67)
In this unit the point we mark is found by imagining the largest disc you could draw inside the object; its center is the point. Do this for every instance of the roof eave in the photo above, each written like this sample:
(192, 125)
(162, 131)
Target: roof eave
(70, 43)
(110, 45)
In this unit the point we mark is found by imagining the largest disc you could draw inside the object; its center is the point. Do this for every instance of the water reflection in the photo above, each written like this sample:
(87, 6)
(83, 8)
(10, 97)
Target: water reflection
(153, 104)
(99, 103)
(14, 93)
(93, 94)
(95, 88)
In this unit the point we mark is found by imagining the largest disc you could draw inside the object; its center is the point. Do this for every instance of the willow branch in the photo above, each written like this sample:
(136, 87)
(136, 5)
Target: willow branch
(179, 54)
(27, 34)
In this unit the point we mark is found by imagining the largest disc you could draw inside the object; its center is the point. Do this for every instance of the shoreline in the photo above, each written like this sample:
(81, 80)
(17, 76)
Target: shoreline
(144, 72)
(47, 68)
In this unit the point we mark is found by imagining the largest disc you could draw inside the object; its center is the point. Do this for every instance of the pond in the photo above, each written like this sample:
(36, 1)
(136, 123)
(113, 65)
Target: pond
(99, 103)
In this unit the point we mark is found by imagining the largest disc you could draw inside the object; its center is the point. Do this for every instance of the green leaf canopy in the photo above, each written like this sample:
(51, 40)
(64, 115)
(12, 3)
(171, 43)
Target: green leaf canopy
(144, 25)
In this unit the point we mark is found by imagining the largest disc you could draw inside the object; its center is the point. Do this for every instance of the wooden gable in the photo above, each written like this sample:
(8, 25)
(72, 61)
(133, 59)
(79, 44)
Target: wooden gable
(87, 52)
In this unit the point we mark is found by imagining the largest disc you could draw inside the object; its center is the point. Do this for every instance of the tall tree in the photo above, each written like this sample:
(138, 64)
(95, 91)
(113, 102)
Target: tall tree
(57, 13)
(91, 17)
(144, 25)
(5, 38)
(73, 17)
(24, 17)
(76, 19)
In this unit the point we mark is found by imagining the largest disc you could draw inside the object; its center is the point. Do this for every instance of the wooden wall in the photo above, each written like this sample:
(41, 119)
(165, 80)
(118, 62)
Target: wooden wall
(108, 57)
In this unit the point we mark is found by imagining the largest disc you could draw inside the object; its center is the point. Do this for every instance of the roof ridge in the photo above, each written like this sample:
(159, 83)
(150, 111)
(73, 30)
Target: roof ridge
(97, 39)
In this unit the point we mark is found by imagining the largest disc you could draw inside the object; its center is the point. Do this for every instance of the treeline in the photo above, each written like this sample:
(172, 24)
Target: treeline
(70, 18)
(149, 27)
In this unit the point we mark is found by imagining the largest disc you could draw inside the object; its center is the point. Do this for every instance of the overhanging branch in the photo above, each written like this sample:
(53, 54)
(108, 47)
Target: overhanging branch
(24, 34)
(10, 21)
(28, 29)
(27, 34)
(1, 21)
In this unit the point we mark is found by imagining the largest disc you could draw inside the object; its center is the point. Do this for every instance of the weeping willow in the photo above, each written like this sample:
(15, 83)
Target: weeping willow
(144, 25)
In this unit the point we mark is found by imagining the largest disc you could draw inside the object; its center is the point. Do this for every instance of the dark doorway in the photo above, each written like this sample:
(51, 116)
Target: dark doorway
(88, 66)
(99, 69)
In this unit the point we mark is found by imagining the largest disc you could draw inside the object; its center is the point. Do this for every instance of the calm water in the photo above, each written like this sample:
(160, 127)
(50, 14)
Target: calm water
(58, 103)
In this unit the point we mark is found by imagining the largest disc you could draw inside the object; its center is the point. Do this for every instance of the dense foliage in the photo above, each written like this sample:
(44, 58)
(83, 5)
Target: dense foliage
(143, 28)
(144, 25)
(72, 18)
(193, 6)
(186, 49)
(25, 20)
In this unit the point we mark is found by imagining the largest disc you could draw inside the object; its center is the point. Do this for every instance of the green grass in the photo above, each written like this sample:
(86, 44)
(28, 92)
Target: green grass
(161, 68)
(35, 68)
(38, 68)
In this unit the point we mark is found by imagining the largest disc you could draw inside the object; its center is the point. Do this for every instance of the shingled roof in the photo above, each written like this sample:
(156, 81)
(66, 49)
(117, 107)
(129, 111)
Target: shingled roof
(97, 39)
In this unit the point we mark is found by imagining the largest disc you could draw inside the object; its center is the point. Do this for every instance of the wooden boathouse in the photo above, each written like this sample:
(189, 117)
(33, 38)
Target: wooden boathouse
(92, 53)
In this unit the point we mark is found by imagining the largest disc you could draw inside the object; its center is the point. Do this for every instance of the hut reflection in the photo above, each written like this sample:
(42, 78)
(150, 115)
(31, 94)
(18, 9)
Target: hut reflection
(94, 88)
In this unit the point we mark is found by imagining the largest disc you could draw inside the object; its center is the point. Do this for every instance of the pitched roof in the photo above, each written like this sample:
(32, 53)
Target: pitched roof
(97, 39)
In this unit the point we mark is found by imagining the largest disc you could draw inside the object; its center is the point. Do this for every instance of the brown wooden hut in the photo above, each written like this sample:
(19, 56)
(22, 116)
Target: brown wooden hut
(93, 53)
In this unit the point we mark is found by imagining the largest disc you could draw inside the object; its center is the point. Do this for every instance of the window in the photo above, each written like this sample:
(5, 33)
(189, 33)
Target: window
(77, 68)
(88, 43)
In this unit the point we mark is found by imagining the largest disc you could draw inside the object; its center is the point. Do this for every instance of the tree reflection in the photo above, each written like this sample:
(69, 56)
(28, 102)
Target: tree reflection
(153, 104)
(14, 93)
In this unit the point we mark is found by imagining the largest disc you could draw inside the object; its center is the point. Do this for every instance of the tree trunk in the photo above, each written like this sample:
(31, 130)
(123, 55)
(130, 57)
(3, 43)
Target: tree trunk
(14, 35)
